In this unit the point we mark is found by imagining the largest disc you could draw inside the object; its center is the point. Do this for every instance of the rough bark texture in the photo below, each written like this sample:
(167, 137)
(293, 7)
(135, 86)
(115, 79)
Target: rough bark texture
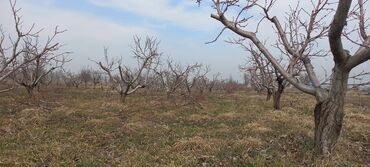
(277, 93)
(329, 109)
(329, 114)
(276, 99)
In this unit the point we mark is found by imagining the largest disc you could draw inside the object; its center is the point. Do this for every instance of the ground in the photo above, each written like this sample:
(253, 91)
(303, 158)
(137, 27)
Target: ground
(87, 127)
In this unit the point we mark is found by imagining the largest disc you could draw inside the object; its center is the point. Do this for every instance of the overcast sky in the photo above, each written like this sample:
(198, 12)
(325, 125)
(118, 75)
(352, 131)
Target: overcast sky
(180, 25)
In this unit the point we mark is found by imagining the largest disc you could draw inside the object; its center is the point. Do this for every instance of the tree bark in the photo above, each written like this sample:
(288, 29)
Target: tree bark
(124, 93)
(329, 114)
(123, 97)
(29, 91)
(276, 99)
(277, 93)
(168, 95)
(269, 94)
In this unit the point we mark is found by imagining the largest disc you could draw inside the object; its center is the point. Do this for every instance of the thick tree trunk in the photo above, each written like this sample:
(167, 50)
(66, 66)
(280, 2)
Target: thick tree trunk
(329, 114)
(276, 99)
(277, 94)
(123, 98)
(124, 93)
(29, 91)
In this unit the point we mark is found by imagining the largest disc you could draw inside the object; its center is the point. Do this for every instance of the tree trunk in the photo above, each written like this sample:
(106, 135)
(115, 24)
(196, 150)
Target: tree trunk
(123, 98)
(277, 94)
(29, 91)
(210, 89)
(269, 94)
(124, 93)
(329, 114)
(168, 95)
(276, 99)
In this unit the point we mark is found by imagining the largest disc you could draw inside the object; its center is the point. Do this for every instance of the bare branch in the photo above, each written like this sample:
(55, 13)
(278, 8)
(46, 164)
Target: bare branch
(127, 81)
(336, 29)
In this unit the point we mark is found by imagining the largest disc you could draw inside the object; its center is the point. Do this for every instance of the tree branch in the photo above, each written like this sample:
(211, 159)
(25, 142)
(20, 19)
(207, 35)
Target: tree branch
(335, 32)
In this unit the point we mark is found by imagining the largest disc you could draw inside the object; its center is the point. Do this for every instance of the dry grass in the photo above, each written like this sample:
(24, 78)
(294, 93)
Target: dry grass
(90, 128)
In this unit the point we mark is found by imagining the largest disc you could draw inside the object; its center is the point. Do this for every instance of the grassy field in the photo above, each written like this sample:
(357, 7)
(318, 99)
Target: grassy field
(89, 127)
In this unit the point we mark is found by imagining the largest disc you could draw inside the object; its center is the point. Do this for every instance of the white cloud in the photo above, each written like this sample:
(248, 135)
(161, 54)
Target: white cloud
(180, 14)
(86, 34)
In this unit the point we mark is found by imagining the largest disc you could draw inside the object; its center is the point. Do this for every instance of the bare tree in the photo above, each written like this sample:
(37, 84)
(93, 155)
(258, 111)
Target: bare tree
(174, 77)
(127, 80)
(46, 61)
(97, 78)
(72, 79)
(196, 78)
(299, 39)
(85, 76)
(185, 82)
(264, 77)
(211, 84)
(54, 78)
(230, 85)
(25, 43)
(202, 81)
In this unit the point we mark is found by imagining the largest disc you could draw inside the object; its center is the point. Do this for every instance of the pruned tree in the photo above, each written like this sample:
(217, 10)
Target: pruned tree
(197, 78)
(230, 85)
(202, 82)
(126, 80)
(97, 78)
(181, 81)
(85, 76)
(25, 48)
(54, 78)
(264, 77)
(31, 75)
(47, 59)
(174, 77)
(72, 80)
(304, 28)
(212, 83)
